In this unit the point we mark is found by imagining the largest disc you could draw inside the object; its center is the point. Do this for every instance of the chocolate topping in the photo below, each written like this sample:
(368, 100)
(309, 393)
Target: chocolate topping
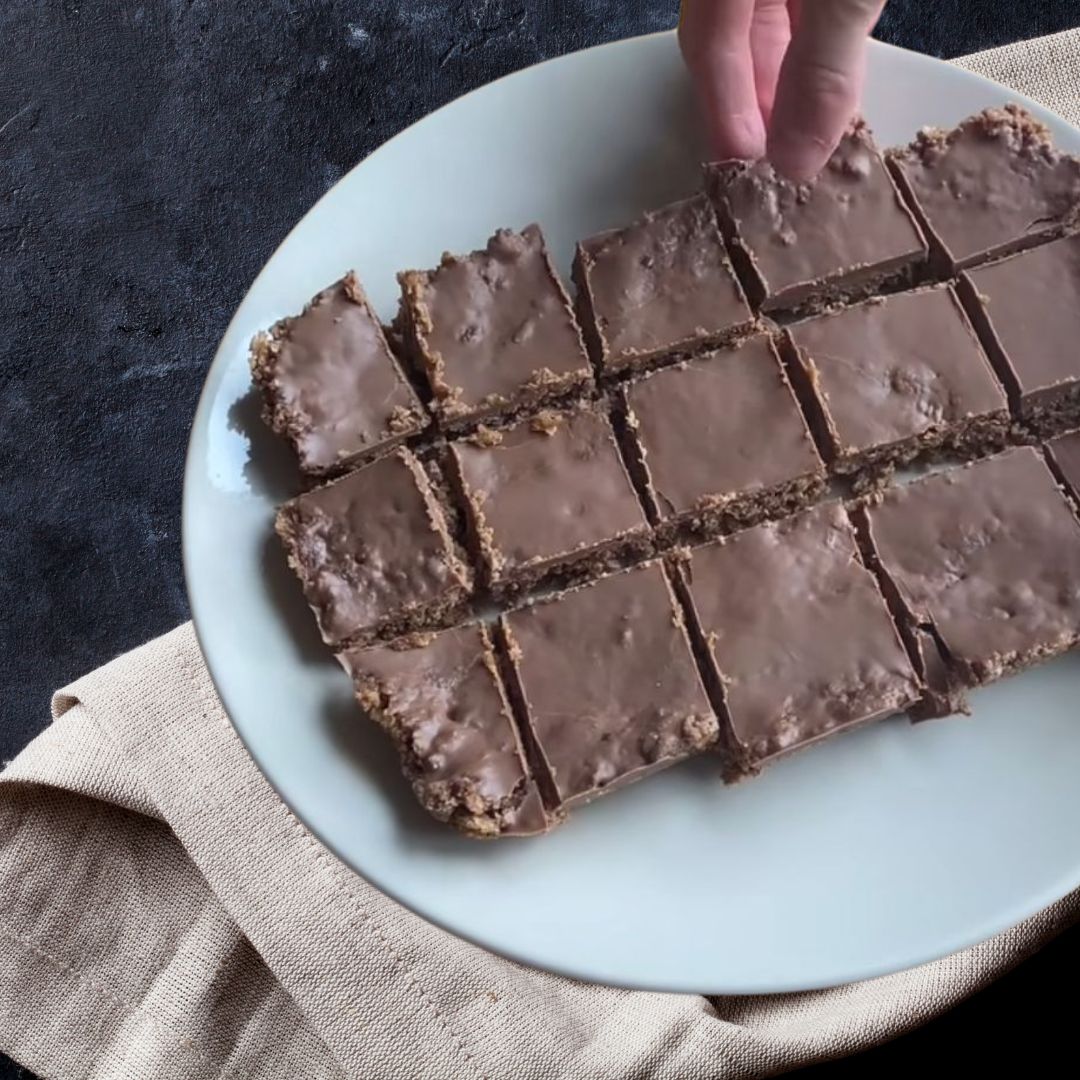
(494, 328)
(991, 184)
(719, 427)
(372, 550)
(847, 227)
(988, 555)
(1029, 309)
(608, 681)
(331, 384)
(660, 285)
(547, 491)
(801, 637)
(443, 703)
(893, 369)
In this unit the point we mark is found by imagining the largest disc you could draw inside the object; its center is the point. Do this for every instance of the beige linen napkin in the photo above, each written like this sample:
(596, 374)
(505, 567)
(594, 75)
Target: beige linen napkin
(164, 915)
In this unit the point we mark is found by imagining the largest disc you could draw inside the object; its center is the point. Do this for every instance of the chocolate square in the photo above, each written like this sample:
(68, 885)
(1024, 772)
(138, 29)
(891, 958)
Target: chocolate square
(985, 559)
(896, 378)
(659, 287)
(331, 384)
(604, 674)
(992, 185)
(844, 235)
(374, 553)
(493, 332)
(799, 637)
(1027, 309)
(720, 441)
(548, 498)
(441, 699)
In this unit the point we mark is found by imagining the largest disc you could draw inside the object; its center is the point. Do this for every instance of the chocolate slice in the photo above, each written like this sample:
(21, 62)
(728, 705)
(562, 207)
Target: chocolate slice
(492, 333)
(799, 246)
(985, 557)
(548, 498)
(374, 553)
(894, 379)
(441, 699)
(992, 185)
(660, 287)
(796, 634)
(1027, 309)
(604, 675)
(719, 442)
(331, 384)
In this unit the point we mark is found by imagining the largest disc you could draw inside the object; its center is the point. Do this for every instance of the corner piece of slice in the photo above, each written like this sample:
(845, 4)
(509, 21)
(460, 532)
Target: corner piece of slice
(992, 185)
(548, 499)
(719, 442)
(796, 634)
(605, 677)
(984, 558)
(658, 288)
(894, 379)
(1027, 309)
(842, 236)
(493, 333)
(441, 699)
(331, 384)
(374, 554)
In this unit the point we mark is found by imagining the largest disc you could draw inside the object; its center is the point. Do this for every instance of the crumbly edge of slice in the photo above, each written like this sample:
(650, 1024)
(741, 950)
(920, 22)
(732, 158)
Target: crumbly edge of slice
(714, 517)
(454, 802)
(580, 567)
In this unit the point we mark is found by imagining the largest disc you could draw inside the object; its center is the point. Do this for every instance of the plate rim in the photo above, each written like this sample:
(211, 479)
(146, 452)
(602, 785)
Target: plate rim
(986, 930)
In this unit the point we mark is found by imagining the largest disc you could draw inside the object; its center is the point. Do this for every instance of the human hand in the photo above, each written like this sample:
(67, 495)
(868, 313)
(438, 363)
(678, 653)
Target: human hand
(777, 78)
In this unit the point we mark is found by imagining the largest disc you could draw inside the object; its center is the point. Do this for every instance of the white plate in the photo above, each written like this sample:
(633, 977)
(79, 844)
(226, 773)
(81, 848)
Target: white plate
(877, 851)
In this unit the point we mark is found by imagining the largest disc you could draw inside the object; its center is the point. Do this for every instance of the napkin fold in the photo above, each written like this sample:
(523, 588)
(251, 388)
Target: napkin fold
(165, 915)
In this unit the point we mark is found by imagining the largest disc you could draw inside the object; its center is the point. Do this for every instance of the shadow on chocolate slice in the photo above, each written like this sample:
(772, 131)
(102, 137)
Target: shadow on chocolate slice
(798, 247)
(992, 185)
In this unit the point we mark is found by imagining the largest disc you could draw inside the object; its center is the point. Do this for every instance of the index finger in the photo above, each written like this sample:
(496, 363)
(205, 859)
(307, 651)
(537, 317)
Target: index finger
(714, 36)
(820, 83)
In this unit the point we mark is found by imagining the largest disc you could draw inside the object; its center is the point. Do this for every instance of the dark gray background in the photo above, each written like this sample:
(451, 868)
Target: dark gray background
(152, 156)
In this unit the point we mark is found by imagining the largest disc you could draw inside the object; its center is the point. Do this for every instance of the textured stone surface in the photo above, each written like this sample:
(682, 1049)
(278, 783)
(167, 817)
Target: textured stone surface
(152, 155)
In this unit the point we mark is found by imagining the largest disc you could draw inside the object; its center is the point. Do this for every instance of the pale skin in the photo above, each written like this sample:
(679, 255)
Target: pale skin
(777, 78)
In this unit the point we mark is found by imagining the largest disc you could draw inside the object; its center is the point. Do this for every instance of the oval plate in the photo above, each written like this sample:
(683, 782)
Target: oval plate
(877, 851)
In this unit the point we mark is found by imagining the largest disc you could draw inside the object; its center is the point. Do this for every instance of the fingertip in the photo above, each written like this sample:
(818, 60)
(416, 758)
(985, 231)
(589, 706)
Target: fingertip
(737, 135)
(796, 156)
